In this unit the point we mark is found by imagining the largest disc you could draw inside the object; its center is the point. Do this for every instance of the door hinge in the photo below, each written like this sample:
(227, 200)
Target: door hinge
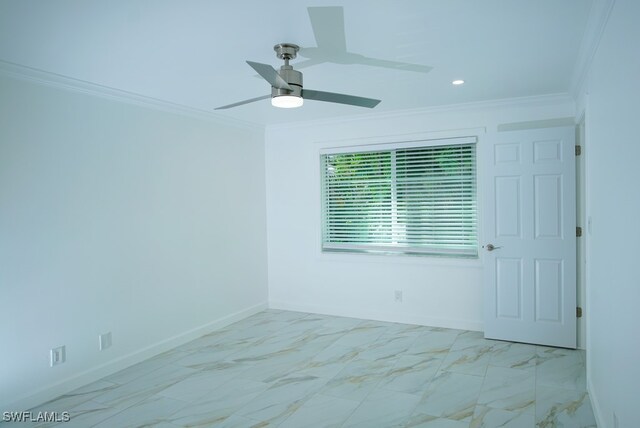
(578, 150)
(578, 231)
(578, 312)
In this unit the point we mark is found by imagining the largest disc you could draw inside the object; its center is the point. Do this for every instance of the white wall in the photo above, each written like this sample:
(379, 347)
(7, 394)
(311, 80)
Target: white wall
(118, 218)
(437, 291)
(613, 198)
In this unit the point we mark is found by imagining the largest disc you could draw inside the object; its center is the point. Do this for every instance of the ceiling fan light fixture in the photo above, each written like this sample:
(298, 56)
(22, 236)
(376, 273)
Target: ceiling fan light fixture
(287, 101)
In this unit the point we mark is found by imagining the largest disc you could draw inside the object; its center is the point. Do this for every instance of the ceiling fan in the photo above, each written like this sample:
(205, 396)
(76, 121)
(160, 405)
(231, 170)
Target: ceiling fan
(286, 85)
(329, 32)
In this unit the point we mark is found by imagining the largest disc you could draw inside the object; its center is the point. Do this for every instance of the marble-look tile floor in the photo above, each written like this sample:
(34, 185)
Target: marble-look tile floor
(294, 370)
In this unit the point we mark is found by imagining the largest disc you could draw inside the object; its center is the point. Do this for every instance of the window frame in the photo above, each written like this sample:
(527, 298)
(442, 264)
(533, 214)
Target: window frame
(355, 249)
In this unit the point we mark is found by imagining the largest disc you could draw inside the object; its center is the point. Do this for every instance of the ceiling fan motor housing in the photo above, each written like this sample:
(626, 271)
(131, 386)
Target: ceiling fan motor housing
(293, 78)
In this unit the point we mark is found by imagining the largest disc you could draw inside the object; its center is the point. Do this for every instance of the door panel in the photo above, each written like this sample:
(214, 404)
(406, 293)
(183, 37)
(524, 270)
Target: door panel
(530, 290)
(509, 288)
(548, 288)
(507, 209)
(547, 205)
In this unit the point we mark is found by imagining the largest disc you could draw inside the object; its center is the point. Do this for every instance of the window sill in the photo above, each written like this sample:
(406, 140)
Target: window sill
(398, 259)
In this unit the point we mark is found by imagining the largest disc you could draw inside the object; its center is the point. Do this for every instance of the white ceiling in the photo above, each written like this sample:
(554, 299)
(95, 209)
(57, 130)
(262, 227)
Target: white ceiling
(193, 52)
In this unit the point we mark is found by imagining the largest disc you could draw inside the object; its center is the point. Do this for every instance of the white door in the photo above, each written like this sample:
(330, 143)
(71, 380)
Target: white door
(529, 237)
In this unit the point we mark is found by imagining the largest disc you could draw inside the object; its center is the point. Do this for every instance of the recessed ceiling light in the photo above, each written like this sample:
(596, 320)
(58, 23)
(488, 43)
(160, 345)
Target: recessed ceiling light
(457, 82)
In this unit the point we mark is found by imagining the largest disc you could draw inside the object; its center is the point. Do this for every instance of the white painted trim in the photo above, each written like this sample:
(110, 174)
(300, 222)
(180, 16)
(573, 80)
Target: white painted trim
(597, 21)
(50, 392)
(46, 78)
(595, 405)
(66, 83)
(399, 138)
(520, 102)
(378, 316)
(595, 402)
(398, 143)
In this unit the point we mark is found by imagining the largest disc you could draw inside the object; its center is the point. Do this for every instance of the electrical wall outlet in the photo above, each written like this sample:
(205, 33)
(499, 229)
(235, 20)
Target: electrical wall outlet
(398, 296)
(104, 341)
(57, 356)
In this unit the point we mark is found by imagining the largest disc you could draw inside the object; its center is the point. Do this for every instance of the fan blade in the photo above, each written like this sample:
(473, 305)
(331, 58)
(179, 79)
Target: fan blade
(270, 74)
(332, 97)
(391, 64)
(243, 102)
(328, 28)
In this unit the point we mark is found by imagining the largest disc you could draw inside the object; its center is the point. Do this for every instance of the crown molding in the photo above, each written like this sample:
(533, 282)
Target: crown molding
(46, 78)
(519, 102)
(596, 23)
(59, 81)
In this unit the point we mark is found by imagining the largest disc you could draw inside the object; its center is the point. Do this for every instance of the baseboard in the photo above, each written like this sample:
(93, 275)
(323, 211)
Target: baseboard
(379, 316)
(63, 387)
(595, 404)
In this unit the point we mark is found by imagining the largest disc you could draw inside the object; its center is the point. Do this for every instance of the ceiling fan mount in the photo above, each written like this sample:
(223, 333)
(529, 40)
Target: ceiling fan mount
(286, 51)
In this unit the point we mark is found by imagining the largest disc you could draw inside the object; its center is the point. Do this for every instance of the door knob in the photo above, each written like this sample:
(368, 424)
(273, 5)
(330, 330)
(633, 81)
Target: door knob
(491, 247)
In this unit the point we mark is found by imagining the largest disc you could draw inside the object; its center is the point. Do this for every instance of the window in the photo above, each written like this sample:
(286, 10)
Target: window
(416, 199)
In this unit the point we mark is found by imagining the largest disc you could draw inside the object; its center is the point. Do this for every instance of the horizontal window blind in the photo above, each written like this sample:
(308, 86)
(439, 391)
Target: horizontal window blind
(412, 200)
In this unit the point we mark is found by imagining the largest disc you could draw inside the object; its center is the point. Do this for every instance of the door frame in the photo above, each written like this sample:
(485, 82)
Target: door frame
(581, 242)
